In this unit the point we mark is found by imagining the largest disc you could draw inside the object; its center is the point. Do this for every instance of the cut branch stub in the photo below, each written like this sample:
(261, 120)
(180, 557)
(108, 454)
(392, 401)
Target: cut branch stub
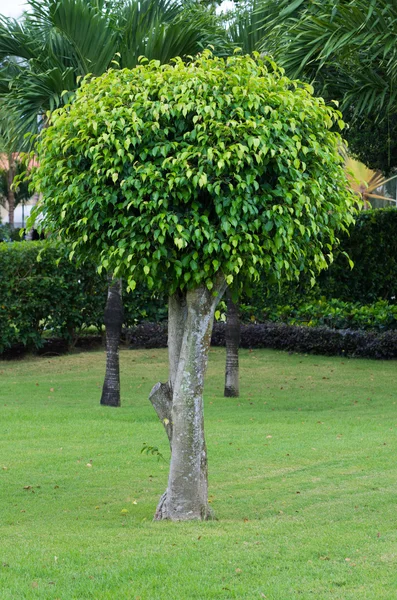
(161, 399)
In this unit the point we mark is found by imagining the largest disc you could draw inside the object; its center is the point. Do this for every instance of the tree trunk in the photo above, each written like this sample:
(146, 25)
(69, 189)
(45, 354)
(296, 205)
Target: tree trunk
(114, 315)
(179, 403)
(232, 346)
(10, 191)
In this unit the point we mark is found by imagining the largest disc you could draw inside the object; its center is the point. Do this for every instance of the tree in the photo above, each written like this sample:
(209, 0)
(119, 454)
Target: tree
(187, 176)
(56, 43)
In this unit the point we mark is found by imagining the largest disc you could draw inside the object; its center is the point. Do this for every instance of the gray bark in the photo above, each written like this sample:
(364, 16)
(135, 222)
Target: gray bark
(232, 389)
(114, 315)
(181, 400)
(177, 315)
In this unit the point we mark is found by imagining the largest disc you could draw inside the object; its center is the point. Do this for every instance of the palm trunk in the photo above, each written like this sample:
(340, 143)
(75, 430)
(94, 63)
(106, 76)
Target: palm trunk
(114, 314)
(232, 346)
(10, 193)
(179, 403)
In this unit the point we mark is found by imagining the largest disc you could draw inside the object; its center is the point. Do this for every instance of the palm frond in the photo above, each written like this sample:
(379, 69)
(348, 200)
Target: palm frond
(163, 30)
(60, 40)
(87, 29)
(356, 38)
(245, 26)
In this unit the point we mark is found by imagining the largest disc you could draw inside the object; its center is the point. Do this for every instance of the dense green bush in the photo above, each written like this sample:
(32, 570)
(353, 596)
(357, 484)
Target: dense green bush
(8, 234)
(42, 292)
(40, 289)
(353, 294)
(379, 316)
(372, 246)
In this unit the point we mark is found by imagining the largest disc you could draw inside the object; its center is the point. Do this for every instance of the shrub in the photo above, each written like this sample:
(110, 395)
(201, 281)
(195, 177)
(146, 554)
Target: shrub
(8, 234)
(292, 338)
(333, 313)
(42, 291)
(372, 245)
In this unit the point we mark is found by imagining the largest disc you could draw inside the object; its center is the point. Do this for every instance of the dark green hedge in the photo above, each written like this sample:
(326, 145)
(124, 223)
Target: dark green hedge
(39, 295)
(43, 293)
(56, 298)
(372, 245)
(292, 338)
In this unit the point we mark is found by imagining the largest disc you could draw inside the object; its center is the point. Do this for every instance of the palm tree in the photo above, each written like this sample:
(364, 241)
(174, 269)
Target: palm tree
(345, 44)
(114, 316)
(244, 25)
(44, 56)
(347, 48)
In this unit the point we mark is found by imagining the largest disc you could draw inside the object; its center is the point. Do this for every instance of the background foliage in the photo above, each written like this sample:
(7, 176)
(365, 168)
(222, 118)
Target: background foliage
(57, 296)
(346, 49)
(372, 245)
(44, 54)
(361, 297)
(54, 296)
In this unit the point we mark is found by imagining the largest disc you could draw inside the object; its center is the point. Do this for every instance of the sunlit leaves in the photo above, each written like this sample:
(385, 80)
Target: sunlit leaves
(195, 168)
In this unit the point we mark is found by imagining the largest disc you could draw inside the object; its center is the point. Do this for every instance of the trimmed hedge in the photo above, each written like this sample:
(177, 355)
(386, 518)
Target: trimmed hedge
(336, 314)
(46, 294)
(372, 246)
(43, 293)
(310, 340)
(320, 340)
(277, 336)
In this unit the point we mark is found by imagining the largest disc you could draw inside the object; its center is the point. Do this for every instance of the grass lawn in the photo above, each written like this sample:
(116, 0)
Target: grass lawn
(303, 480)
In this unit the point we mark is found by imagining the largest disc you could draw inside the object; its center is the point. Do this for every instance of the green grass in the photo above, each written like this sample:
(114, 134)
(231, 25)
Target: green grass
(303, 480)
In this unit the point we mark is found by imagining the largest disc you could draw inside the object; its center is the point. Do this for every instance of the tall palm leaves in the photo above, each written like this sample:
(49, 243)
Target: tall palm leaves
(244, 25)
(165, 29)
(346, 44)
(58, 41)
(348, 49)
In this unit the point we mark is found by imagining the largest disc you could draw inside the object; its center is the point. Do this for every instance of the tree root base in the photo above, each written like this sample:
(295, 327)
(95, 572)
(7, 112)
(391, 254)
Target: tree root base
(231, 392)
(161, 513)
